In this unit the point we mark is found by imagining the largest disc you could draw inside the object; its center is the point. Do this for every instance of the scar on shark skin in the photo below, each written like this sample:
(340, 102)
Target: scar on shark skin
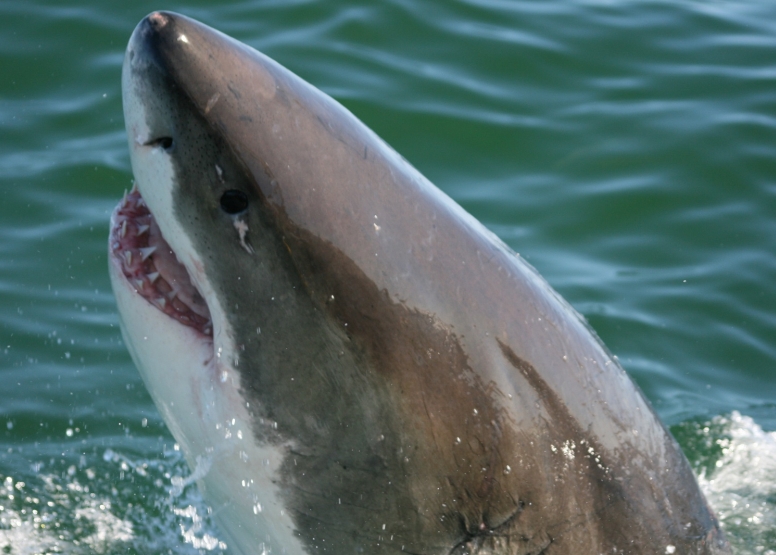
(242, 229)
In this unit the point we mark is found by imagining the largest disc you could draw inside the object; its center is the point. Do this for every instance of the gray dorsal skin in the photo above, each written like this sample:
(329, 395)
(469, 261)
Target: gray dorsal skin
(426, 389)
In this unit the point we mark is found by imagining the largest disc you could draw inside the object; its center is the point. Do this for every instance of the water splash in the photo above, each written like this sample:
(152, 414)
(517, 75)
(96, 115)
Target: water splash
(113, 503)
(735, 461)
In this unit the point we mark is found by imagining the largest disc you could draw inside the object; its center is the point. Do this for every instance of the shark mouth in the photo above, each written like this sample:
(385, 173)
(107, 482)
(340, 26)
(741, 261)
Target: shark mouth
(151, 267)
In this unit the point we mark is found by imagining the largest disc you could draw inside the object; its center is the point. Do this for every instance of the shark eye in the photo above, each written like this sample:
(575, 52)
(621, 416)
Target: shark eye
(234, 202)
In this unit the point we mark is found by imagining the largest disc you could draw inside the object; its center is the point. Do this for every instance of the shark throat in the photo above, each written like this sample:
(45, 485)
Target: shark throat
(151, 267)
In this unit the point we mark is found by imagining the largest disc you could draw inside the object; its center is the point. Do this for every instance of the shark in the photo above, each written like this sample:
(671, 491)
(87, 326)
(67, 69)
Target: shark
(350, 362)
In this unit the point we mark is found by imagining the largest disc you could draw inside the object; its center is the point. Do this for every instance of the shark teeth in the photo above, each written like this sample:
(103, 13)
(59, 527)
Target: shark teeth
(145, 252)
(170, 290)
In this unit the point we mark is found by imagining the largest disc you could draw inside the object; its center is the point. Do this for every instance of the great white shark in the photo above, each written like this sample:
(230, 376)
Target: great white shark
(350, 362)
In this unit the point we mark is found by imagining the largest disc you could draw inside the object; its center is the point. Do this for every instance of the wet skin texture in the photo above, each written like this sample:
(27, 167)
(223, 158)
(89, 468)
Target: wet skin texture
(432, 394)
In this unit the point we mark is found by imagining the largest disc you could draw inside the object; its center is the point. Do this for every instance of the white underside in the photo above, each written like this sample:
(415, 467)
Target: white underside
(199, 399)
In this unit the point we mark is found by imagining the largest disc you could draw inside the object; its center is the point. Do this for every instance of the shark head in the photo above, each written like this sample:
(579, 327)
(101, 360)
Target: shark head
(349, 361)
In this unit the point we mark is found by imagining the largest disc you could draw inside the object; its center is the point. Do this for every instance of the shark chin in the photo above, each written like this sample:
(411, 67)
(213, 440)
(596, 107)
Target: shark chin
(349, 361)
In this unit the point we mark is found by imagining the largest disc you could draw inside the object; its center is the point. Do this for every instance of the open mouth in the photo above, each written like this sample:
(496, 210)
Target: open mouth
(151, 267)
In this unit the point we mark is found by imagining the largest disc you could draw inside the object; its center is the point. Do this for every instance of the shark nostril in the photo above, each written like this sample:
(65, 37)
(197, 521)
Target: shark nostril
(161, 142)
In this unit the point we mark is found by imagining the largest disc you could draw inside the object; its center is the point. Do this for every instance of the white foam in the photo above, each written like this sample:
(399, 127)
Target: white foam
(742, 485)
(108, 528)
(86, 510)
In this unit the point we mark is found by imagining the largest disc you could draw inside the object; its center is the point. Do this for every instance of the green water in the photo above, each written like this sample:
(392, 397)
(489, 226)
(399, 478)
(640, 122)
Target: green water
(627, 149)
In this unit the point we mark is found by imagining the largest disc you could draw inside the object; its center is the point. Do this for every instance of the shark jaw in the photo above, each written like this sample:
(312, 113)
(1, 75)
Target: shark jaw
(148, 262)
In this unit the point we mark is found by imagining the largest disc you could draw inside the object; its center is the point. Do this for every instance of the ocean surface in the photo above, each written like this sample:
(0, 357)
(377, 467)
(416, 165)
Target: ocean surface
(627, 149)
